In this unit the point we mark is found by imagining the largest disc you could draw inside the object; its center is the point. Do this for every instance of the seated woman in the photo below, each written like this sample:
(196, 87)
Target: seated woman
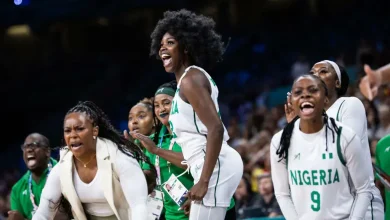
(95, 171)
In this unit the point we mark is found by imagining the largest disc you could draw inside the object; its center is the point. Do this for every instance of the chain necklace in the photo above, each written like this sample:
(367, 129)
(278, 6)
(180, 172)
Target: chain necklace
(85, 164)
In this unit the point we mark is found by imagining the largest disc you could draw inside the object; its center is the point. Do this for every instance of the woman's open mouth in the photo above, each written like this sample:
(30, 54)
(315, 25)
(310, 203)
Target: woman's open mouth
(167, 59)
(307, 108)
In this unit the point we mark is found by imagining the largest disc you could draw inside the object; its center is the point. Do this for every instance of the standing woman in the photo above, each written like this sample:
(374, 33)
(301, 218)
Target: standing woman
(347, 110)
(98, 173)
(184, 41)
(315, 157)
(161, 147)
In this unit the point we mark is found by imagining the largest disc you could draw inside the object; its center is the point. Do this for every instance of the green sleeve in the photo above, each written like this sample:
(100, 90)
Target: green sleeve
(15, 201)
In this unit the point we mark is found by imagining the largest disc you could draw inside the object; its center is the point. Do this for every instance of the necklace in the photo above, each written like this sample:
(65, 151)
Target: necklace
(85, 164)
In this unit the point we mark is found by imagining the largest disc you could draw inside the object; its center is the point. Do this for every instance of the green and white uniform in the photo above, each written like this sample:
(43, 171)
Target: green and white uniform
(323, 182)
(191, 134)
(172, 211)
(20, 194)
(350, 111)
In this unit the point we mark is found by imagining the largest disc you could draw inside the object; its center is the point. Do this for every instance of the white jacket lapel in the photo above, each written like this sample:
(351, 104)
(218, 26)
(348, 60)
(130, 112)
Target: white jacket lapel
(105, 166)
(67, 186)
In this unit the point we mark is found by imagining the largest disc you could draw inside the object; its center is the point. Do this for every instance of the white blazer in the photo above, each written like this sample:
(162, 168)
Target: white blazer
(105, 156)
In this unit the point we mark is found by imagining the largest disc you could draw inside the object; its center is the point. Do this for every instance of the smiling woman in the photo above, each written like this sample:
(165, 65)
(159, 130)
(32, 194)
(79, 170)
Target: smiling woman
(334, 155)
(97, 167)
(185, 41)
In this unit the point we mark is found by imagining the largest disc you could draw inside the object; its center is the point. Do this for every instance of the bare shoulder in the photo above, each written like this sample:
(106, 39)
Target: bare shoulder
(194, 78)
(195, 83)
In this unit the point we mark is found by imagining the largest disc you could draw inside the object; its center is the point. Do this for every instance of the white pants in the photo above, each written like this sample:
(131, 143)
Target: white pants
(201, 212)
(224, 180)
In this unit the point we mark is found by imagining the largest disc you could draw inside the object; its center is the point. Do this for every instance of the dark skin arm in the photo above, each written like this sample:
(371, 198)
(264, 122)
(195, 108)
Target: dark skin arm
(196, 89)
(174, 157)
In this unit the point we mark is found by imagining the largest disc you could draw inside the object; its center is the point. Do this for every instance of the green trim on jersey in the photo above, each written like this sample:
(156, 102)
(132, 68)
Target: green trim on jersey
(20, 196)
(170, 207)
(372, 208)
(215, 189)
(196, 126)
(339, 152)
(338, 111)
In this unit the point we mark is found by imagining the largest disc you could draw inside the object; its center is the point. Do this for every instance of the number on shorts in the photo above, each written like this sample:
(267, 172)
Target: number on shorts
(315, 198)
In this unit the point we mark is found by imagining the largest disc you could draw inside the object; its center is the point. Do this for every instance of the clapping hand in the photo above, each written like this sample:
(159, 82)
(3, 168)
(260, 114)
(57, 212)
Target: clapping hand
(288, 109)
(370, 83)
(146, 142)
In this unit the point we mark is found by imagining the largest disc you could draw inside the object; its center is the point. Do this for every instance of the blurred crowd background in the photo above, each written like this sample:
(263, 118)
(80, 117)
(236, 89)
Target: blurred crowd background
(56, 53)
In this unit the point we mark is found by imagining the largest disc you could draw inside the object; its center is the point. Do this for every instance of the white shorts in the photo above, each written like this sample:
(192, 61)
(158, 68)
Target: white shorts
(226, 176)
(376, 209)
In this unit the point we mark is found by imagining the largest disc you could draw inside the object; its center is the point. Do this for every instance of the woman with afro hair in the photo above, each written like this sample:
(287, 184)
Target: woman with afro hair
(187, 44)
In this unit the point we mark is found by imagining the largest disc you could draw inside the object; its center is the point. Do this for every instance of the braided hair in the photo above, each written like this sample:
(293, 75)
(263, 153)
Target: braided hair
(148, 103)
(159, 125)
(107, 130)
(282, 151)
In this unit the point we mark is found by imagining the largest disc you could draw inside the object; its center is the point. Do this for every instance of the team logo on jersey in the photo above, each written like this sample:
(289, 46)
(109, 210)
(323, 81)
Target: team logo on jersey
(387, 149)
(24, 192)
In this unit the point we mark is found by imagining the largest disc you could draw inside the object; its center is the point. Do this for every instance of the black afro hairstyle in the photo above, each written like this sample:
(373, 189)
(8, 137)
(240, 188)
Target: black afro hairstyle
(195, 33)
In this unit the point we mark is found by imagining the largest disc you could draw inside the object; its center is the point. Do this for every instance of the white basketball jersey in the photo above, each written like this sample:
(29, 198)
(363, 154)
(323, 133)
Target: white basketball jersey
(341, 108)
(318, 178)
(187, 129)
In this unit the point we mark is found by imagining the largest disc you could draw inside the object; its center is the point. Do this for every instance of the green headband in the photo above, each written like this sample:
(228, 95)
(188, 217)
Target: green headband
(166, 91)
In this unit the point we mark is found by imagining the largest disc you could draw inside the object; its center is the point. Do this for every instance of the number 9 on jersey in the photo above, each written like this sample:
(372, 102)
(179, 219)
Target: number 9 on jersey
(316, 199)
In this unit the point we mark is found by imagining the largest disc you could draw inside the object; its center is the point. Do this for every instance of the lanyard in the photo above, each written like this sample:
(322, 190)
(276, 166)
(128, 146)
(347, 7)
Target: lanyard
(157, 161)
(49, 166)
(157, 158)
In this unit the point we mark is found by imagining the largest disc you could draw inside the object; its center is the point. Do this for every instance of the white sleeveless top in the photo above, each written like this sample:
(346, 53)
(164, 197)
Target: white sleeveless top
(94, 203)
(188, 130)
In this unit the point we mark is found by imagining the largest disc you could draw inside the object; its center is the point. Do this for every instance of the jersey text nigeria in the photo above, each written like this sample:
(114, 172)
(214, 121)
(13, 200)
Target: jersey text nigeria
(314, 177)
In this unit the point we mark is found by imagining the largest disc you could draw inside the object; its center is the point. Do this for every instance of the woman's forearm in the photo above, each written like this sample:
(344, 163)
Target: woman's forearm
(173, 157)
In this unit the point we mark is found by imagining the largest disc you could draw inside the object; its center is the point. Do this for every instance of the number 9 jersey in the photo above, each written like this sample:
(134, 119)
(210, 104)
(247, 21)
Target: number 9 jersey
(324, 179)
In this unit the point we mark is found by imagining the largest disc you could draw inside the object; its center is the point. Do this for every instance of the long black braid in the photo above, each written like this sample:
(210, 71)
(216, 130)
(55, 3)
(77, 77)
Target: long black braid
(107, 130)
(282, 151)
